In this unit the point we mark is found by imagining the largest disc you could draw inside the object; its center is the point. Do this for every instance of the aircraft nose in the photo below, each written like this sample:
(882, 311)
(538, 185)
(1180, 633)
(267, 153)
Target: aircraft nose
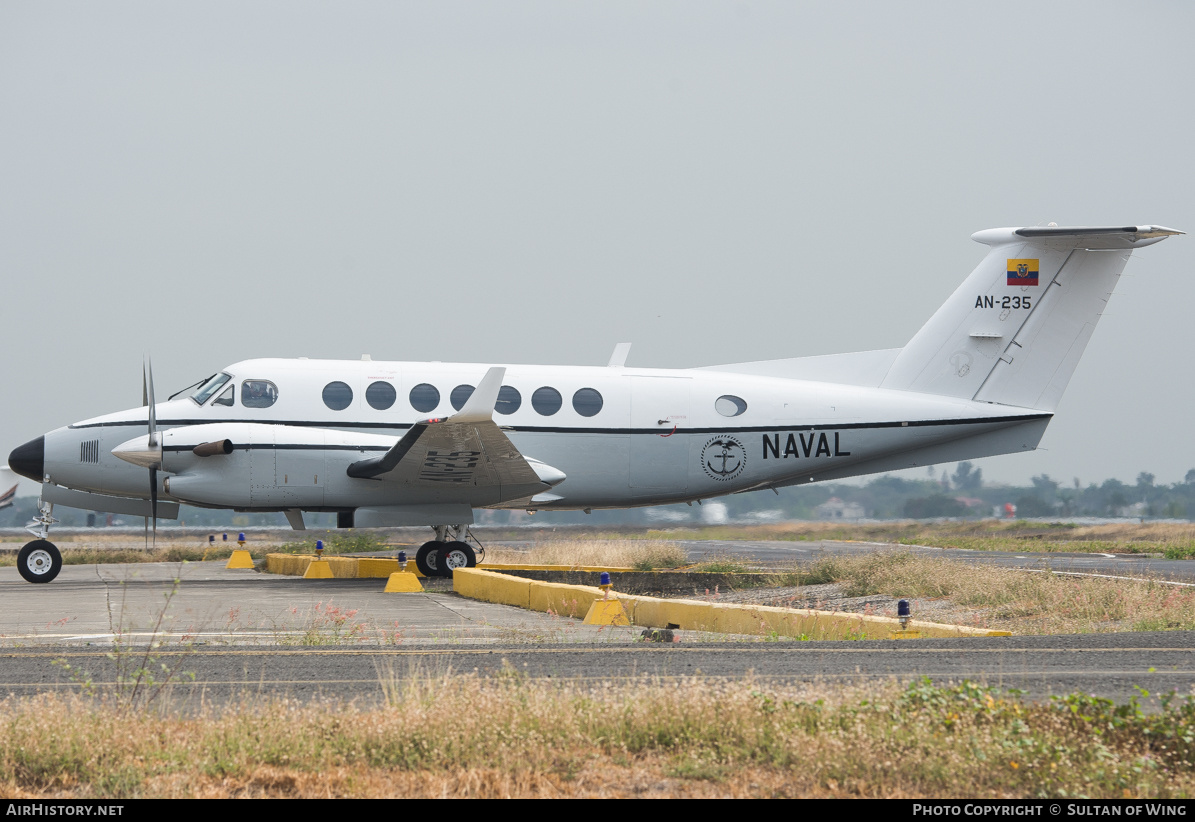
(29, 460)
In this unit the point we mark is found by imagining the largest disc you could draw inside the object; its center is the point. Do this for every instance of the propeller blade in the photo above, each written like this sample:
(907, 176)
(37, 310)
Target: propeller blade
(153, 501)
(148, 375)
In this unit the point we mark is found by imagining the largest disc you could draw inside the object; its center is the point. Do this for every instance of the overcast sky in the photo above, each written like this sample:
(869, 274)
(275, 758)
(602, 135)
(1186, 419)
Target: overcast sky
(535, 182)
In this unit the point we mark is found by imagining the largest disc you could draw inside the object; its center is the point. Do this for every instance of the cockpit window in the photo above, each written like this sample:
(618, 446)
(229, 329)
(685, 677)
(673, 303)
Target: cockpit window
(210, 387)
(225, 398)
(258, 394)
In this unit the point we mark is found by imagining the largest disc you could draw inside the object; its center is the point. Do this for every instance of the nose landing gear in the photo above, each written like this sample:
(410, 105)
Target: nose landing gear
(40, 560)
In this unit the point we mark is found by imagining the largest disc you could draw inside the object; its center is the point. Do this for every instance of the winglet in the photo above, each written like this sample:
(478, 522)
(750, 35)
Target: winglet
(480, 405)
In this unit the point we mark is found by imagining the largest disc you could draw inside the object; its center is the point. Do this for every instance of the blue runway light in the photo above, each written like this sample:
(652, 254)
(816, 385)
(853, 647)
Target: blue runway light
(902, 608)
(211, 539)
(605, 578)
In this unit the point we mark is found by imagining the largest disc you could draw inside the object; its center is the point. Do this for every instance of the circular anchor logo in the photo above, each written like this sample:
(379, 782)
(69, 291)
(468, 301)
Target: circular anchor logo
(723, 458)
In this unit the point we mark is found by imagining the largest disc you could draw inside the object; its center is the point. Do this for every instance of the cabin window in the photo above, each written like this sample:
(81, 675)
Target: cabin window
(210, 387)
(460, 395)
(509, 400)
(587, 402)
(258, 394)
(226, 398)
(380, 395)
(546, 400)
(338, 396)
(728, 405)
(425, 398)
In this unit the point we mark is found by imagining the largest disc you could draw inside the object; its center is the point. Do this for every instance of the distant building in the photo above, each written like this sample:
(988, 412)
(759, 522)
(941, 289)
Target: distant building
(834, 508)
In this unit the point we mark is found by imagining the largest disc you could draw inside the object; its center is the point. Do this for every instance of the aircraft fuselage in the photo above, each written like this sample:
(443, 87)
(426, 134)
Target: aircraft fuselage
(622, 436)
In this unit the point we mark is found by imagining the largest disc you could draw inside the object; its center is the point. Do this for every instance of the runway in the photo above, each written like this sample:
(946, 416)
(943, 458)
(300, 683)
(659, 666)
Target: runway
(234, 634)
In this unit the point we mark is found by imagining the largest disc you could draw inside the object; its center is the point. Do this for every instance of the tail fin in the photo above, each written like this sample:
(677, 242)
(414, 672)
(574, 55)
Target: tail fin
(1014, 330)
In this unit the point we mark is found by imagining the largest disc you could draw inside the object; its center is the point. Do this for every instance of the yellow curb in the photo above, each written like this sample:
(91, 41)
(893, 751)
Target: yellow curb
(693, 615)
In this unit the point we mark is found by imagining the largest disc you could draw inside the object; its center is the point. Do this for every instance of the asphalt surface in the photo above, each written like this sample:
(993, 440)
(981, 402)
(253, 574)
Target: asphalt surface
(235, 634)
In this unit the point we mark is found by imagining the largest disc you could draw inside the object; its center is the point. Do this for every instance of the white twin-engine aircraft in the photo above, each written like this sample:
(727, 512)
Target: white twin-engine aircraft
(403, 444)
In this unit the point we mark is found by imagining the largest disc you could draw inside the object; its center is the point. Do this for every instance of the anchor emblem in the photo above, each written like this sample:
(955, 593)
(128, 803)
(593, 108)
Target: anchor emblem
(723, 458)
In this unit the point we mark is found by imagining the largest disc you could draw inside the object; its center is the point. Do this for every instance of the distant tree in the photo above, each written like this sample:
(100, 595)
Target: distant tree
(937, 505)
(967, 477)
(1189, 479)
(1045, 489)
(1116, 501)
(1145, 480)
(1031, 505)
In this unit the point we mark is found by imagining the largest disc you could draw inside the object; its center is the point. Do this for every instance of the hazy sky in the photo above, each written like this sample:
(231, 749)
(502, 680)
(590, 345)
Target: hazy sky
(535, 182)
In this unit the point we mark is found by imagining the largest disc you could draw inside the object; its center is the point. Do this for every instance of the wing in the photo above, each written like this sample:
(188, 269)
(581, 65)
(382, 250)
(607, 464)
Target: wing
(467, 451)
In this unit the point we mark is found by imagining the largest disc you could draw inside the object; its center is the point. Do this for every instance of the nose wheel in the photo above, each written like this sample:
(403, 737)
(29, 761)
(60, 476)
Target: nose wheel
(39, 561)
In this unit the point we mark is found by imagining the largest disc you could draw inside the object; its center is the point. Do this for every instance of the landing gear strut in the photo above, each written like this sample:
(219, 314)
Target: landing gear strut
(40, 560)
(441, 556)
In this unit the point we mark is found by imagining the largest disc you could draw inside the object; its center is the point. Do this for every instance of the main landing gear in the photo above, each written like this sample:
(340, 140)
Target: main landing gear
(40, 560)
(441, 556)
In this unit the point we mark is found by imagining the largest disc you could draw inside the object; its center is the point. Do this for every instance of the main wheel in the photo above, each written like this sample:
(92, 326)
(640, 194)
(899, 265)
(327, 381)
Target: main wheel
(455, 555)
(39, 561)
(426, 557)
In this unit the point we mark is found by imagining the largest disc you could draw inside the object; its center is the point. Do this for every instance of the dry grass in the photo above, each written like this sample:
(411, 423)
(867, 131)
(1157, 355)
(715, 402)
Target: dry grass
(643, 555)
(1007, 599)
(1176, 540)
(464, 736)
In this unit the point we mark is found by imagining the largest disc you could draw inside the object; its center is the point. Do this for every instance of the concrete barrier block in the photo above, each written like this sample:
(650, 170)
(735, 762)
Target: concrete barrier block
(403, 583)
(488, 586)
(240, 559)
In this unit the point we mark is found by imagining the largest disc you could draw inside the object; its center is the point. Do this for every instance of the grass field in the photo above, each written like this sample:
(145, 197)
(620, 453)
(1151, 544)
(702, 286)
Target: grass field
(463, 736)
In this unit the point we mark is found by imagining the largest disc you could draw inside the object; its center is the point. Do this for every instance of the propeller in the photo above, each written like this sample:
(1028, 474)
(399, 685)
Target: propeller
(147, 398)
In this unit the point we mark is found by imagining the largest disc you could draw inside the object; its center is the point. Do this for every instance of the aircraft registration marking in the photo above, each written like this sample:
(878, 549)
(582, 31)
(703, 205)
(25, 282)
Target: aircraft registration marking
(989, 301)
(452, 466)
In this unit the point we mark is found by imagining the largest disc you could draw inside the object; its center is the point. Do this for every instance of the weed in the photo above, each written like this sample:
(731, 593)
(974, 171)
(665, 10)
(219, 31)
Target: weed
(356, 542)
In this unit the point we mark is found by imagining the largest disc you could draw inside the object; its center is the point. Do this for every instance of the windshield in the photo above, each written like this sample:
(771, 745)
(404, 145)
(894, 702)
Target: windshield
(210, 387)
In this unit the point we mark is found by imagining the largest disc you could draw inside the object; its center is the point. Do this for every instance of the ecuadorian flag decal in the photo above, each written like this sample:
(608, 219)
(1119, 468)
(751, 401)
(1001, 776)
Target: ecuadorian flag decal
(1022, 272)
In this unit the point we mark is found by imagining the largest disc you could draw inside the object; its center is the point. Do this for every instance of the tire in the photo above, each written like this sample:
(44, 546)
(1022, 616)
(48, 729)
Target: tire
(455, 555)
(39, 561)
(426, 558)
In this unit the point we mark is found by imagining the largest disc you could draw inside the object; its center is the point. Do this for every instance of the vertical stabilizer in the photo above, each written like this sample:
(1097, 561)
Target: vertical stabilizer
(1013, 332)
